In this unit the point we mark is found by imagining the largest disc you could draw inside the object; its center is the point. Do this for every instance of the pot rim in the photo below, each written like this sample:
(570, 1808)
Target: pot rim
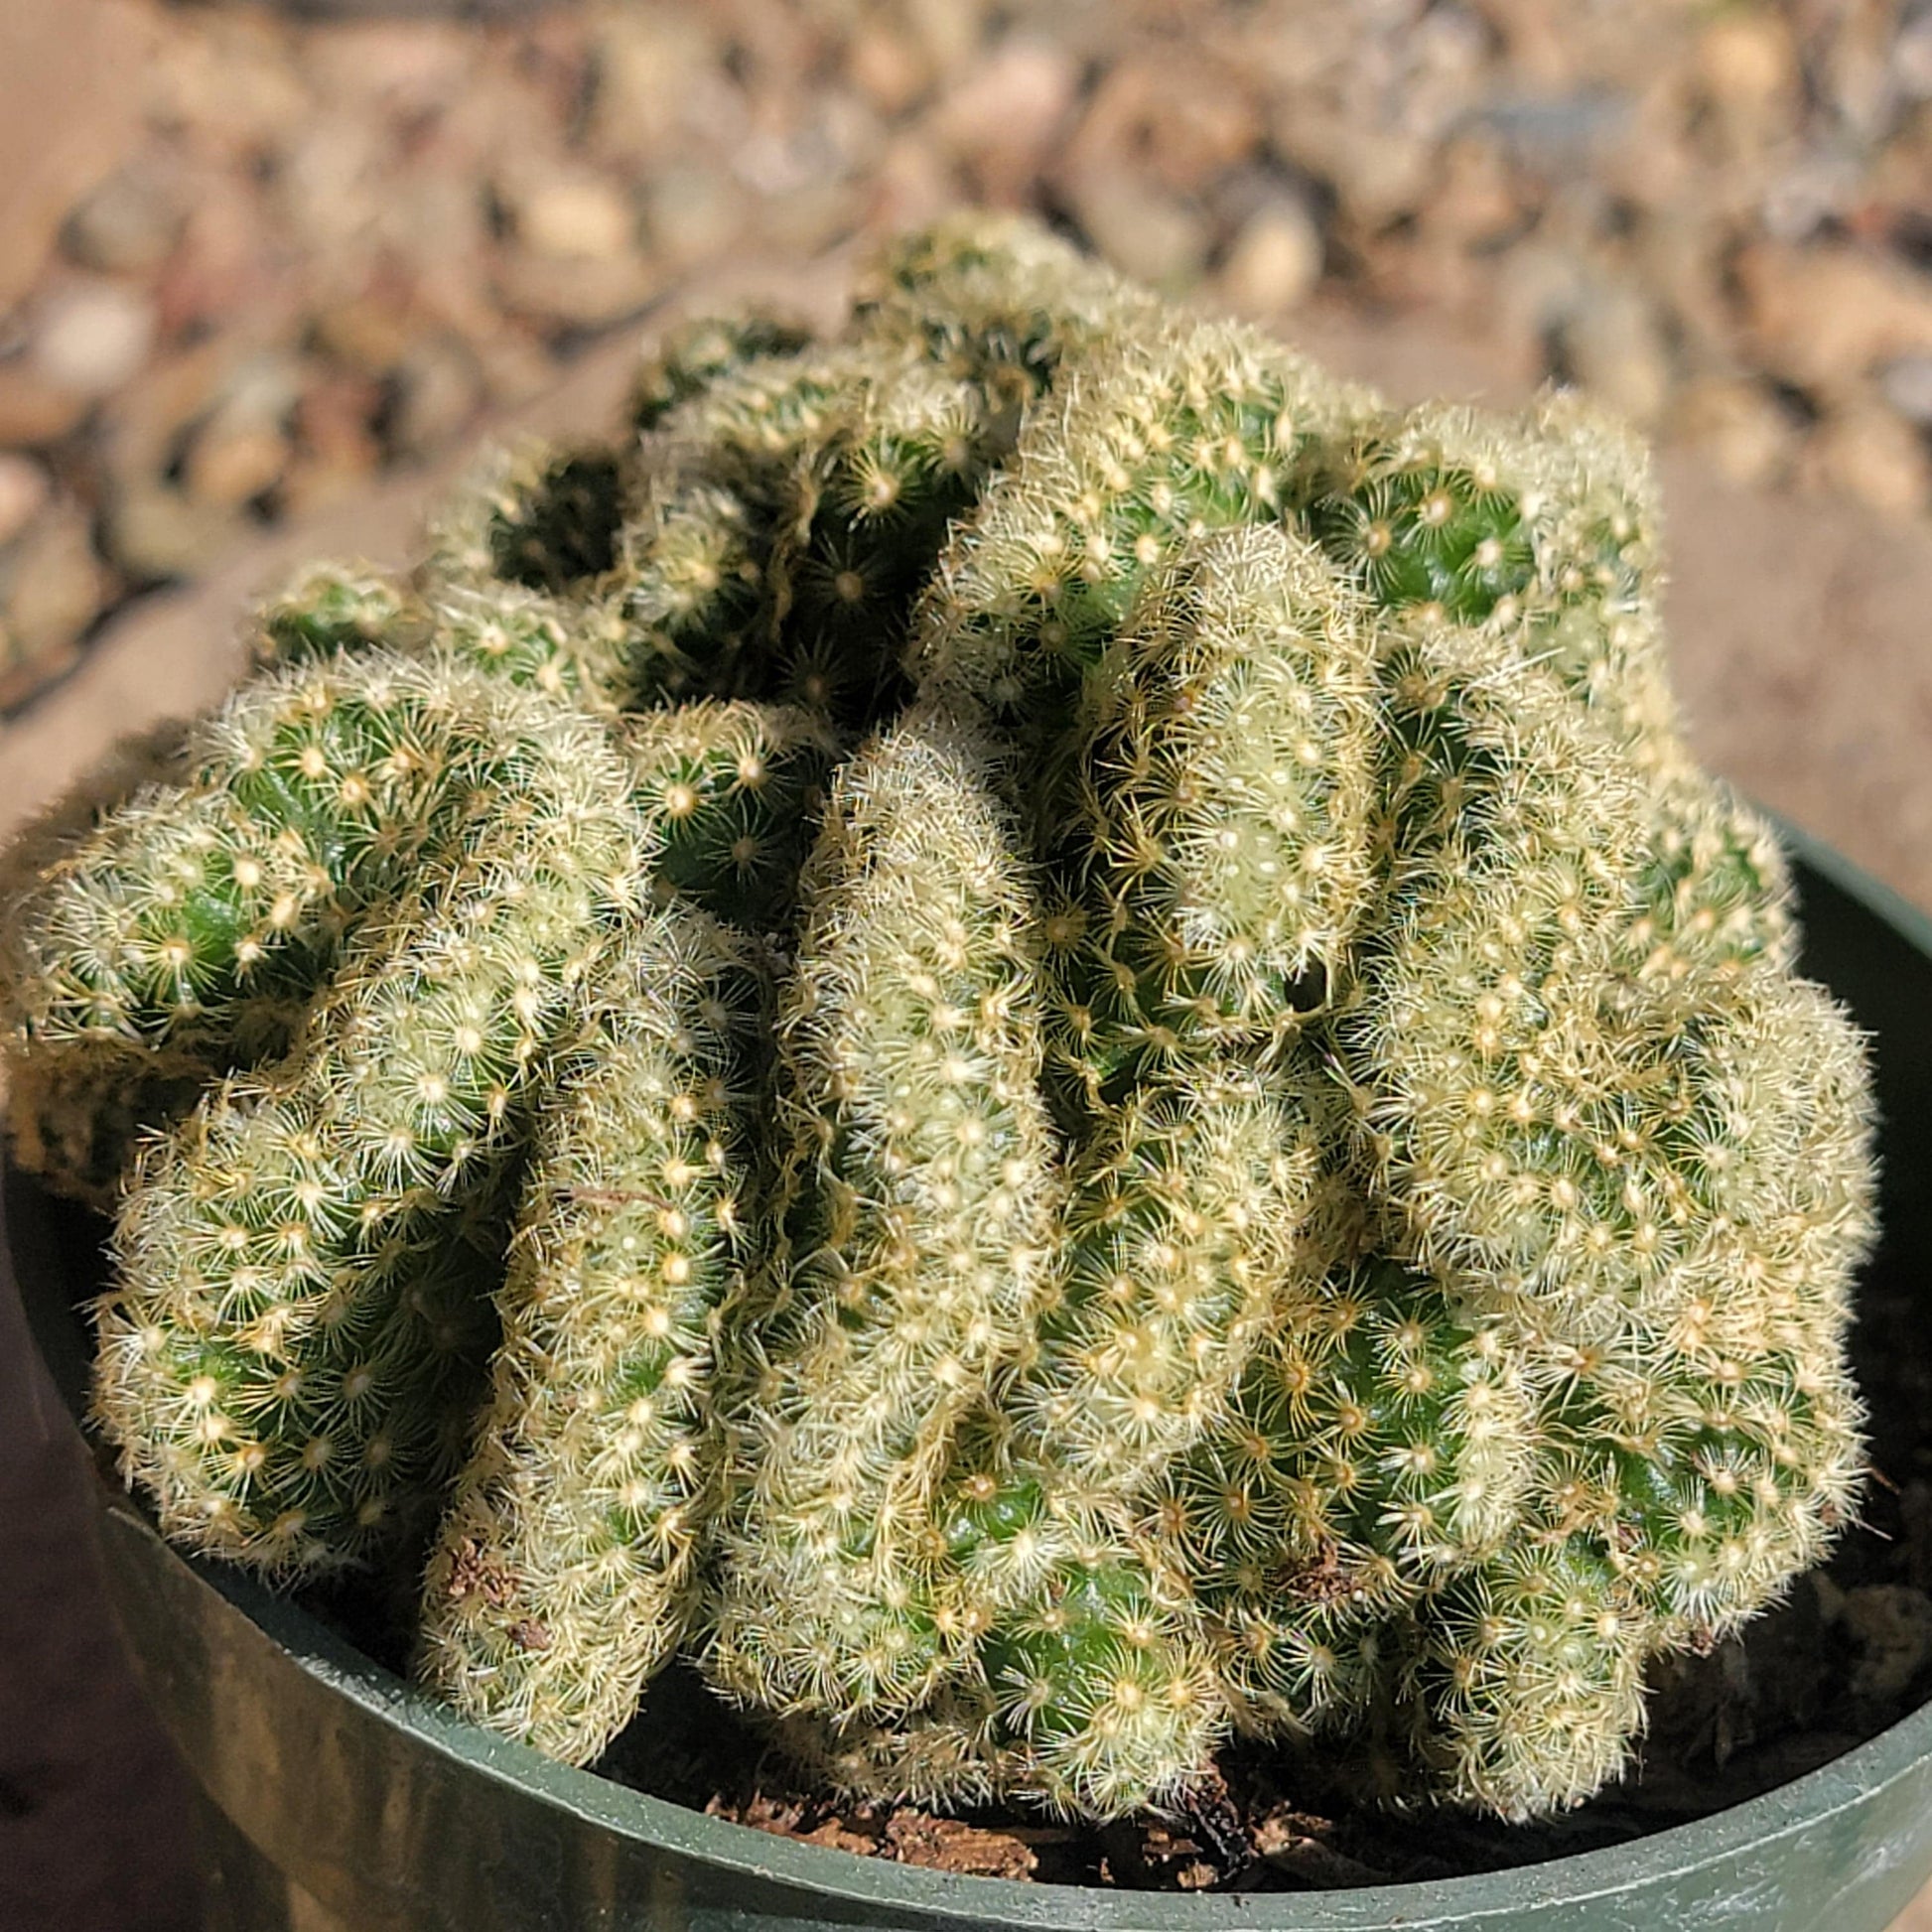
(658, 1824)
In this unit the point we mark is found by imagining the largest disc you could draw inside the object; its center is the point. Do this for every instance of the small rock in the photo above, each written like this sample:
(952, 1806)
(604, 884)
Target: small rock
(239, 450)
(232, 84)
(1747, 435)
(516, 367)
(336, 449)
(889, 67)
(24, 489)
(1276, 259)
(910, 186)
(228, 466)
(409, 68)
(570, 214)
(1816, 192)
(1911, 58)
(1680, 255)
(1144, 233)
(1823, 317)
(335, 417)
(1527, 294)
(145, 432)
(796, 225)
(370, 334)
(50, 590)
(128, 226)
(579, 292)
(657, 75)
(156, 535)
(1181, 126)
(1610, 343)
(332, 182)
(33, 411)
(1380, 174)
(91, 336)
(439, 389)
(1866, 452)
(223, 267)
(1003, 117)
(1891, 1625)
(1906, 385)
(1748, 61)
(692, 215)
(947, 31)
(1473, 198)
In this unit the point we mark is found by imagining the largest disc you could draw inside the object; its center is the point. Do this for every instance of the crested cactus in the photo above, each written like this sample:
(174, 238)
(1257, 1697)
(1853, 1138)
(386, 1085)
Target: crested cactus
(1026, 1027)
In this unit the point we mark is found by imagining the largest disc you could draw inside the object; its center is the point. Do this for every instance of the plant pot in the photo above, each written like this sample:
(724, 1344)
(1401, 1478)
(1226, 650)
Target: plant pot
(339, 1798)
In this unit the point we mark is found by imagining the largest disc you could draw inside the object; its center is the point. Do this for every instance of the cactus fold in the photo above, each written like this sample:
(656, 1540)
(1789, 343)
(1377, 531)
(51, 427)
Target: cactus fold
(564, 1571)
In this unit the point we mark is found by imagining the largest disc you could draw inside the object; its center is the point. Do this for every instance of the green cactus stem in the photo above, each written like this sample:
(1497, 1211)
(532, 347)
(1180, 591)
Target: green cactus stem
(1026, 1027)
(291, 1345)
(564, 1571)
(915, 1184)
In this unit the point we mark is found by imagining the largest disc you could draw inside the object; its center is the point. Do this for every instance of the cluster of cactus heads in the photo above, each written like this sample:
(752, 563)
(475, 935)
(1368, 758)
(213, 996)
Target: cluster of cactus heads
(1026, 1028)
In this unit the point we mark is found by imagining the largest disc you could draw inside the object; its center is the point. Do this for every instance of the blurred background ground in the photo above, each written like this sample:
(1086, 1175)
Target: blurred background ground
(250, 257)
(266, 272)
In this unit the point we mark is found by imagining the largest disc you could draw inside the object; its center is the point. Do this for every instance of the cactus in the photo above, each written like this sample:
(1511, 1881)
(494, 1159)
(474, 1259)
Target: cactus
(328, 608)
(692, 357)
(1027, 1029)
(76, 1109)
(793, 507)
(564, 1571)
(531, 514)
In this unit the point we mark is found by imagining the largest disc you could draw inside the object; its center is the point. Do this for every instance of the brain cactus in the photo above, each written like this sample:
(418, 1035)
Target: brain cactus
(1025, 1028)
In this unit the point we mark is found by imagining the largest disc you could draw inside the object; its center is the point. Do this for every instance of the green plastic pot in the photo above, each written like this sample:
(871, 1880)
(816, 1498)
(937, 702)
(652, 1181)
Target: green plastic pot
(340, 1799)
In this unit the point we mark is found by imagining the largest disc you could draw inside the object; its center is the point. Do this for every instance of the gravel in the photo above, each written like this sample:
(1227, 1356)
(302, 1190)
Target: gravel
(340, 236)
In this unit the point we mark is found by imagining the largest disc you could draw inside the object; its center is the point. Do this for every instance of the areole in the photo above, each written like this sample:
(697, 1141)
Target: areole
(339, 1798)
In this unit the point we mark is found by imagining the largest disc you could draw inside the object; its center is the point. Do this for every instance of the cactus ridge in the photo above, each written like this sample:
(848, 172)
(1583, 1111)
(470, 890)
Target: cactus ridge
(998, 303)
(532, 514)
(693, 356)
(1026, 1027)
(794, 507)
(307, 798)
(327, 607)
(1213, 853)
(1171, 434)
(564, 1569)
(292, 1343)
(914, 1186)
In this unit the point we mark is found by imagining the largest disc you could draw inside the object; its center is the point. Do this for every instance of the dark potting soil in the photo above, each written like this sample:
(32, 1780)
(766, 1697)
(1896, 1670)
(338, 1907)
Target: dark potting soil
(1848, 1654)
